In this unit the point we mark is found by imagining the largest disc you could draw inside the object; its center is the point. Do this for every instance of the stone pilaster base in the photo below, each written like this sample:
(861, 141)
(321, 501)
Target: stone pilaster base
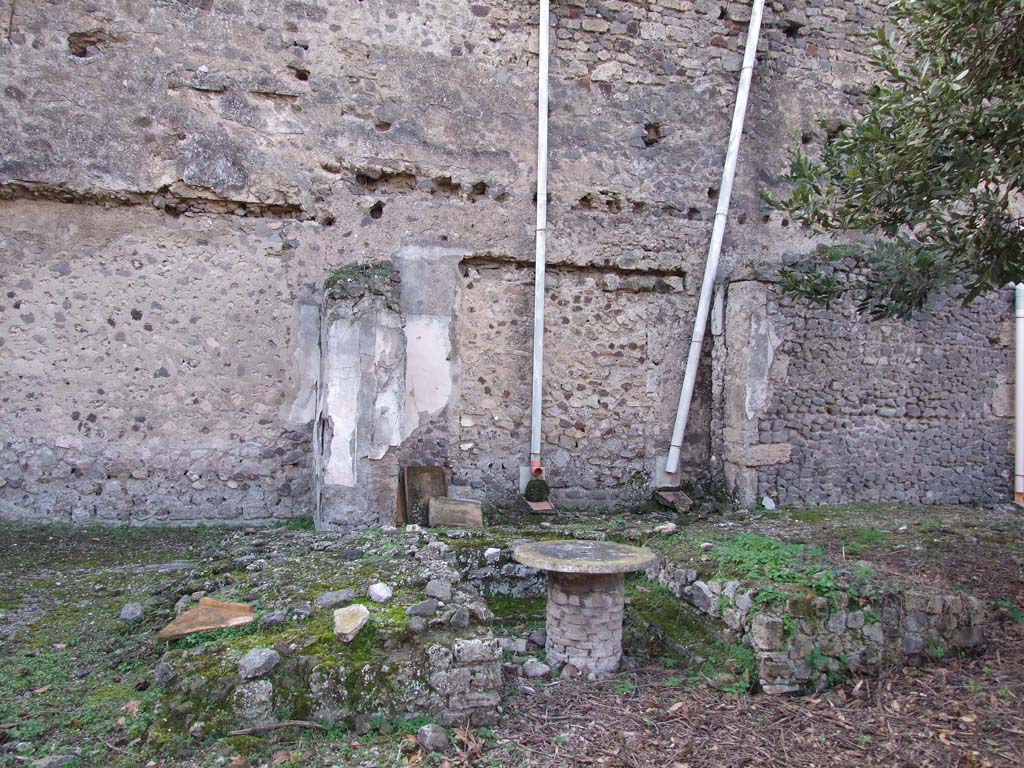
(584, 622)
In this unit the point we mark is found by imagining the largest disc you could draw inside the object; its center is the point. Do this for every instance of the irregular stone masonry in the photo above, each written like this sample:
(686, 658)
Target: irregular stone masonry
(159, 348)
(914, 411)
(584, 621)
(467, 678)
(799, 643)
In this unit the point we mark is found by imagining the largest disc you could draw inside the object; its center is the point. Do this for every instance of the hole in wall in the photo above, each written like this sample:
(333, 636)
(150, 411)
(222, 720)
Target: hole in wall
(712, 193)
(85, 44)
(792, 28)
(652, 133)
(692, 213)
(377, 210)
(300, 73)
(834, 127)
(806, 137)
(382, 125)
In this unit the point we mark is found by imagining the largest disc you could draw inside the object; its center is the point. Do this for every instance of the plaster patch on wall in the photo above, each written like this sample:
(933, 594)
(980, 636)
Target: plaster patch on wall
(428, 374)
(341, 402)
(305, 367)
(387, 407)
(763, 343)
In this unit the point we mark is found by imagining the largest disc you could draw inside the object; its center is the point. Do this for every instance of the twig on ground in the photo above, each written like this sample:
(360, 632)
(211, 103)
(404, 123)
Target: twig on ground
(277, 726)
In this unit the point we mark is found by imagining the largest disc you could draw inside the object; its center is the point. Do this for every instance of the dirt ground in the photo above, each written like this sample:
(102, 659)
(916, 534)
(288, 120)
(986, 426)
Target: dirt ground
(964, 712)
(72, 681)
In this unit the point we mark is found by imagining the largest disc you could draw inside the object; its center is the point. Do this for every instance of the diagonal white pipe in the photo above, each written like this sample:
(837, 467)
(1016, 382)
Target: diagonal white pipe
(717, 234)
(542, 224)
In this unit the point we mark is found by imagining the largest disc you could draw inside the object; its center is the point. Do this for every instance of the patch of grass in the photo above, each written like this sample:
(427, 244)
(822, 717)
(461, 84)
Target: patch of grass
(623, 686)
(300, 523)
(510, 608)
(871, 535)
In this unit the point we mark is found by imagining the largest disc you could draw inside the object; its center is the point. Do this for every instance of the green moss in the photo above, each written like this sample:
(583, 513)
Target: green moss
(691, 636)
(505, 607)
(537, 489)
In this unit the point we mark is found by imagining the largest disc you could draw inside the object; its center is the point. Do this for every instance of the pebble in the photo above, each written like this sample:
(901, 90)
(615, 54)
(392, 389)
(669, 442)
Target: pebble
(492, 555)
(335, 599)
(258, 662)
(666, 528)
(442, 590)
(380, 592)
(363, 723)
(163, 674)
(538, 637)
(132, 612)
(534, 668)
(349, 620)
(273, 619)
(433, 738)
(423, 608)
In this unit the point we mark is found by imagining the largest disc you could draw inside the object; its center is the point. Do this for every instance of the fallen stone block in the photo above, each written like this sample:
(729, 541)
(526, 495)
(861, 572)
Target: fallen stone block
(349, 620)
(455, 512)
(208, 615)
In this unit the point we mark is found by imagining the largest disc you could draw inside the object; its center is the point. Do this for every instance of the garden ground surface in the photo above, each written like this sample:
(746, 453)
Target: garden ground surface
(75, 680)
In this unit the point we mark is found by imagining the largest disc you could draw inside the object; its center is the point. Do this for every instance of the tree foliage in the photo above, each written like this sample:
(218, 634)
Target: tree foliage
(933, 169)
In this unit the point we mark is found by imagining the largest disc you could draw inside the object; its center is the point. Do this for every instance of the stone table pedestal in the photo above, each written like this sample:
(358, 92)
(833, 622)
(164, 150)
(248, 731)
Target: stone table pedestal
(585, 598)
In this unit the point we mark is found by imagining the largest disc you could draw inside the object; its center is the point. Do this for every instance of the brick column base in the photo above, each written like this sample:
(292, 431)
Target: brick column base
(584, 622)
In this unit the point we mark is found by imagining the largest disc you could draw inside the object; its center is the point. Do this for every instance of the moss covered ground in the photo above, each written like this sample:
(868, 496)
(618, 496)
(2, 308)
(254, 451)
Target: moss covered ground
(74, 678)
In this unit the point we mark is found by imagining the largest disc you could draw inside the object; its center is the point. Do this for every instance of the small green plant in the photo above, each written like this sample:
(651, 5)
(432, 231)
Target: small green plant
(721, 603)
(768, 595)
(870, 535)
(623, 686)
(300, 523)
(789, 625)
(1014, 612)
(863, 571)
(816, 659)
(871, 616)
(934, 649)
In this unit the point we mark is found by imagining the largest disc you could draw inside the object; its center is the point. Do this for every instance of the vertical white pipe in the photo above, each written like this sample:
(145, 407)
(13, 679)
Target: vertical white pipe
(717, 235)
(1018, 399)
(542, 223)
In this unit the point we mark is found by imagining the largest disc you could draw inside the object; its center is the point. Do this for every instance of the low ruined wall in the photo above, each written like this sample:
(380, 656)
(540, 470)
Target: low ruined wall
(803, 640)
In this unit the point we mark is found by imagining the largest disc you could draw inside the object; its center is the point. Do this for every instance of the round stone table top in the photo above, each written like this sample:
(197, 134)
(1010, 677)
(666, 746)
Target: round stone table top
(576, 556)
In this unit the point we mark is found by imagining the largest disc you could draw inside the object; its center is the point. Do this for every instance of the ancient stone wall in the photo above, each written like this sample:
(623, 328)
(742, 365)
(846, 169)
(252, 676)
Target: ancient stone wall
(823, 406)
(179, 178)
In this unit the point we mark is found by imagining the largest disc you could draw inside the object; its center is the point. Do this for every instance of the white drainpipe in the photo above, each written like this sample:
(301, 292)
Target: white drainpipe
(1018, 400)
(717, 234)
(542, 223)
